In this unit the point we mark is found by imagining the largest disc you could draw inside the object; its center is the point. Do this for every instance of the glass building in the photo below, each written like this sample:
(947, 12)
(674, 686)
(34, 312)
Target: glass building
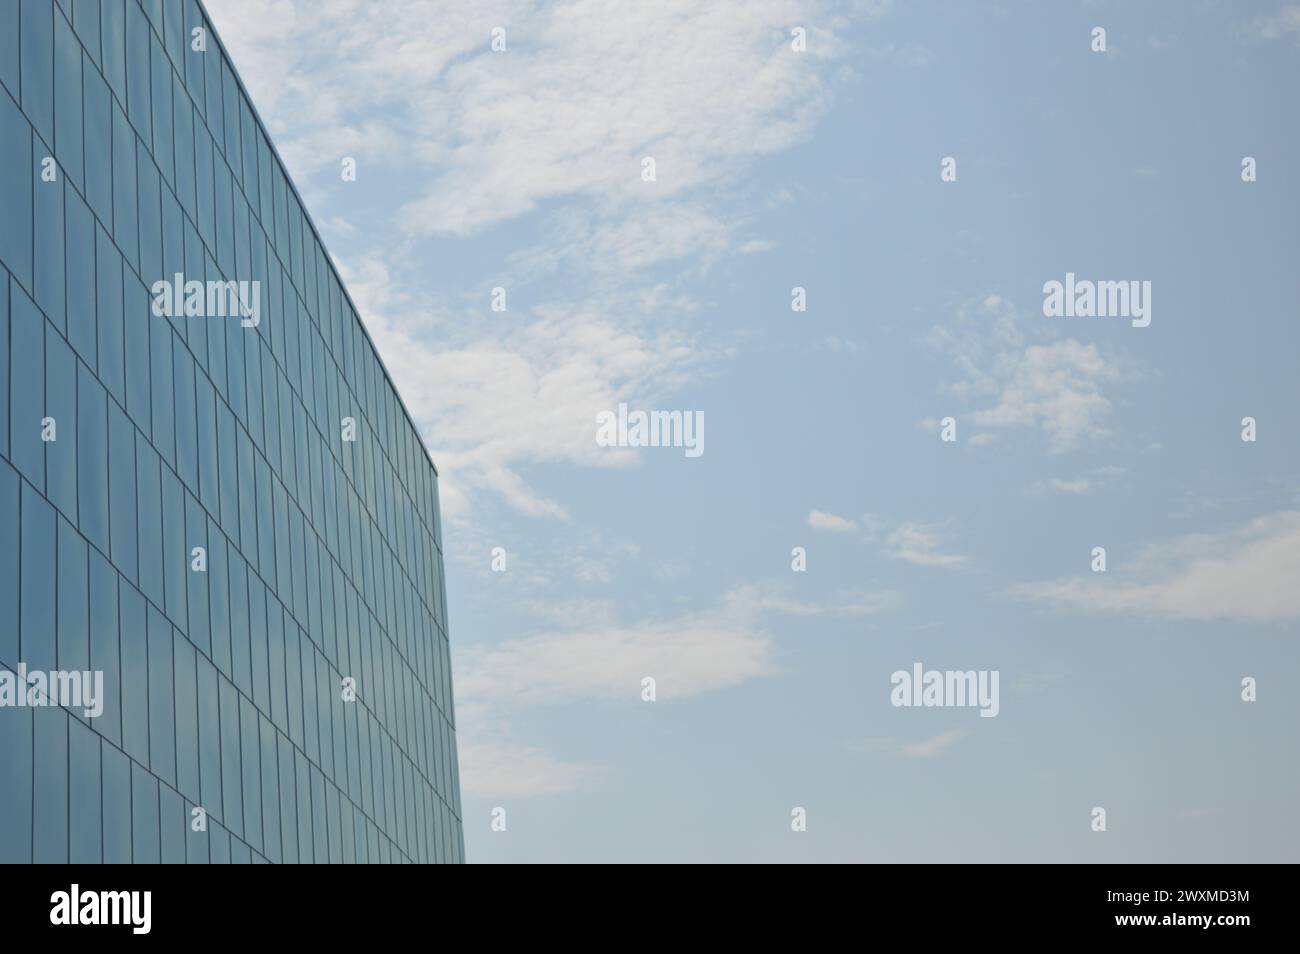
(236, 522)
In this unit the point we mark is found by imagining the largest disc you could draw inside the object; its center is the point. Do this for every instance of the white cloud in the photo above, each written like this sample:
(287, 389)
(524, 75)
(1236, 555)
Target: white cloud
(920, 544)
(496, 768)
(1285, 21)
(1055, 387)
(687, 655)
(464, 138)
(819, 520)
(1248, 574)
(927, 748)
(936, 745)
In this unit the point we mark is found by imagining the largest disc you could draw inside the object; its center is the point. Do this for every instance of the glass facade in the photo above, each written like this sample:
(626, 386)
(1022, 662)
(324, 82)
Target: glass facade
(236, 523)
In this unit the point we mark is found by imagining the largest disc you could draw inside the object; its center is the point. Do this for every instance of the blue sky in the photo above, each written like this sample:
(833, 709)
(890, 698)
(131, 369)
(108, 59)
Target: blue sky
(820, 169)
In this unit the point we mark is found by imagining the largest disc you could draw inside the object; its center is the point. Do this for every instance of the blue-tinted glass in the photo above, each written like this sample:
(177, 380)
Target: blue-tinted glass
(61, 406)
(38, 65)
(197, 843)
(224, 224)
(137, 70)
(26, 387)
(16, 786)
(105, 653)
(196, 332)
(219, 598)
(164, 410)
(308, 690)
(247, 505)
(92, 458)
(97, 104)
(288, 801)
(85, 20)
(203, 180)
(162, 698)
(232, 792)
(183, 126)
(209, 738)
(125, 211)
(302, 780)
(36, 635)
(241, 662)
(253, 374)
(67, 101)
(9, 45)
(234, 150)
(250, 773)
(4, 363)
(212, 109)
(275, 644)
(10, 563)
(161, 79)
(173, 822)
(79, 234)
(136, 322)
(270, 790)
(216, 338)
(17, 174)
(117, 806)
(175, 32)
(50, 791)
(47, 256)
(113, 44)
(187, 445)
(149, 508)
(135, 672)
(151, 259)
(240, 853)
(74, 600)
(205, 406)
(187, 719)
(147, 848)
(196, 535)
(227, 464)
(176, 550)
(219, 845)
(122, 492)
(85, 833)
(194, 59)
(258, 642)
(108, 285)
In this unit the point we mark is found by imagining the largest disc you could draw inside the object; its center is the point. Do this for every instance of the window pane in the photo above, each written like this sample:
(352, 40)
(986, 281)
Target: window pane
(38, 66)
(135, 673)
(84, 832)
(37, 604)
(209, 738)
(104, 651)
(74, 599)
(61, 406)
(149, 507)
(27, 386)
(108, 284)
(174, 822)
(117, 807)
(187, 720)
(16, 787)
(162, 698)
(122, 491)
(144, 813)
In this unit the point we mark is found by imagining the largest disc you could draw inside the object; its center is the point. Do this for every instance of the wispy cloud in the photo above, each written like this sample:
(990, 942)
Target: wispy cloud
(920, 544)
(820, 520)
(1056, 386)
(935, 745)
(464, 138)
(500, 769)
(1284, 22)
(924, 749)
(1247, 574)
